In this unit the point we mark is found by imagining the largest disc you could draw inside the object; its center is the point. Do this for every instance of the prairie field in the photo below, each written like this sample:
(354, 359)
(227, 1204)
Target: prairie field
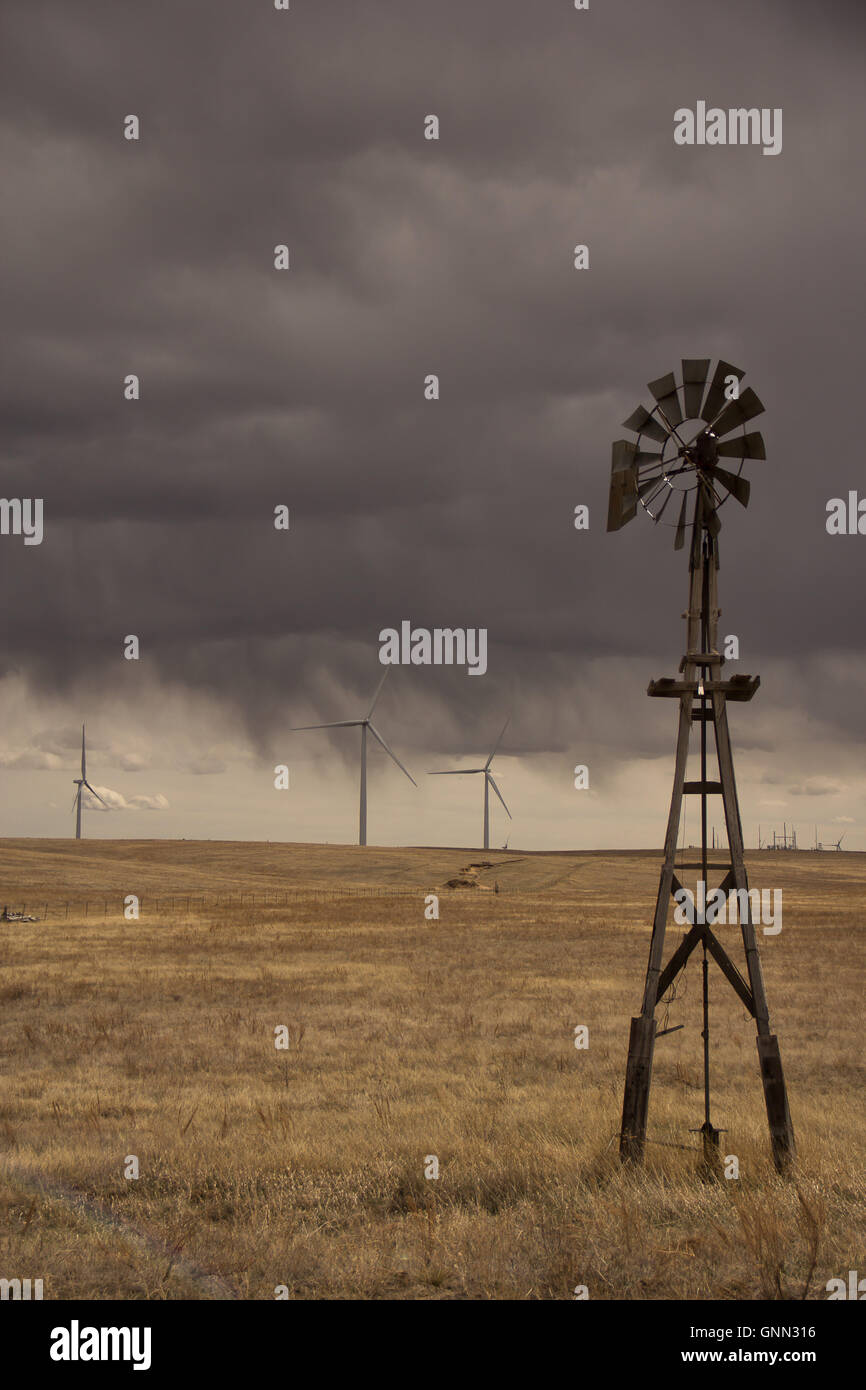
(411, 1043)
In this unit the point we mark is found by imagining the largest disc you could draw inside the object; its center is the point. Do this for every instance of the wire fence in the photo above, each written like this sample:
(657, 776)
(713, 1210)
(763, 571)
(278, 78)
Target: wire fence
(112, 905)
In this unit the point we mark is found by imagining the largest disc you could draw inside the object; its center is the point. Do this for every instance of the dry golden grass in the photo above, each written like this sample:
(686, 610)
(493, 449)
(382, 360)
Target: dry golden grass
(409, 1038)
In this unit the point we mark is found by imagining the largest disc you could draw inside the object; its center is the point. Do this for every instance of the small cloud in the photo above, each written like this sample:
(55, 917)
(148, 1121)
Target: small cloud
(32, 760)
(842, 820)
(205, 765)
(130, 762)
(815, 786)
(116, 801)
(148, 803)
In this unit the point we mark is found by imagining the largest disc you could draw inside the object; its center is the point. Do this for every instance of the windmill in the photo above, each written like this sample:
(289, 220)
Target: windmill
(837, 844)
(80, 783)
(488, 783)
(363, 724)
(688, 464)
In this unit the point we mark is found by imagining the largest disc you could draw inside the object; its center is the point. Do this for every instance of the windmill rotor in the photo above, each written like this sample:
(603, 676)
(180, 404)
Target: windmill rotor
(696, 463)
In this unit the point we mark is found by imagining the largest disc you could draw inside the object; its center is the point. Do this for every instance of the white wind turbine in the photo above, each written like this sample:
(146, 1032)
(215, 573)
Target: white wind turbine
(80, 783)
(488, 783)
(363, 724)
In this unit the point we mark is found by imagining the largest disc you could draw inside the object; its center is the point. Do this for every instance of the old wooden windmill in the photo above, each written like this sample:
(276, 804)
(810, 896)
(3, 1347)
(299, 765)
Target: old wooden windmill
(687, 465)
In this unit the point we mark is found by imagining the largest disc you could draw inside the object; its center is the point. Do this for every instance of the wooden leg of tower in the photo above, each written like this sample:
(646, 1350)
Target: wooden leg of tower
(772, 1076)
(776, 1100)
(638, 1076)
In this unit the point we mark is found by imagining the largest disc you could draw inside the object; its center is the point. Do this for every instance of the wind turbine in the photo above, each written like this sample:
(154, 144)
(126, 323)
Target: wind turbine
(83, 782)
(363, 724)
(838, 843)
(488, 783)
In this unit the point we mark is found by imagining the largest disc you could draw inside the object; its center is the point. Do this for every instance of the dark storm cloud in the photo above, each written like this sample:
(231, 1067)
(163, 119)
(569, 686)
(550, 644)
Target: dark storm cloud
(410, 257)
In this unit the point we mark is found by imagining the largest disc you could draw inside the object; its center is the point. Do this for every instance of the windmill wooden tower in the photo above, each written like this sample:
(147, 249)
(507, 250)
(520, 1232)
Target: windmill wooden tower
(687, 465)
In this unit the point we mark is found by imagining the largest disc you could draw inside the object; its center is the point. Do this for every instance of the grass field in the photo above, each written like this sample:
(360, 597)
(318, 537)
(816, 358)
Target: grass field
(409, 1038)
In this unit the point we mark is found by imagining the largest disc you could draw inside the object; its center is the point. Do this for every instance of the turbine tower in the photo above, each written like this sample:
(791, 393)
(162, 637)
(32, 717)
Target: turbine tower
(81, 782)
(363, 724)
(488, 783)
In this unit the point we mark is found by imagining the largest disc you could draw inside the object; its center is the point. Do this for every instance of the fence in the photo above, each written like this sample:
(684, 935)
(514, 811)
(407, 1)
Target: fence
(103, 907)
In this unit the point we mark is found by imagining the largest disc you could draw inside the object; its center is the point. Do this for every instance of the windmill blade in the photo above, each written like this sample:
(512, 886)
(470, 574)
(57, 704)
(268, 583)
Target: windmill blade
(747, 446)
(497, 743)
(83, 767)
(738, 487)
(622, 503)
(499, 794)
(738, 412)
(716, 394)
(643, 423)
(378, 691)
(96, 794)
(341, 724)
(380, 739)
(643, 458)
(75, 797)
(680, 538)
(694, 380)
(665, 392)
(660, 513)
(652, 485)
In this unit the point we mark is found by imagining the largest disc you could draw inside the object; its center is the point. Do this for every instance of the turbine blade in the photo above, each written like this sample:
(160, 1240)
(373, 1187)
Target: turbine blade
(622, 503)
(680, 538)
(738, 412)
(747, 446)
(83, 768)
(98, 797)
(378, 691)
(738, 487)
(392, 755)
(75, 797)
(716, 394)
(455, 772)
(341, 724)
(497, 743)
(665, 392)
(694, 380)
(643, 423)
(499, 794)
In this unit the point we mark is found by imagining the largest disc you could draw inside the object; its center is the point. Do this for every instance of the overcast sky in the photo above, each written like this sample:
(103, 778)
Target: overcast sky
(306, 387)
